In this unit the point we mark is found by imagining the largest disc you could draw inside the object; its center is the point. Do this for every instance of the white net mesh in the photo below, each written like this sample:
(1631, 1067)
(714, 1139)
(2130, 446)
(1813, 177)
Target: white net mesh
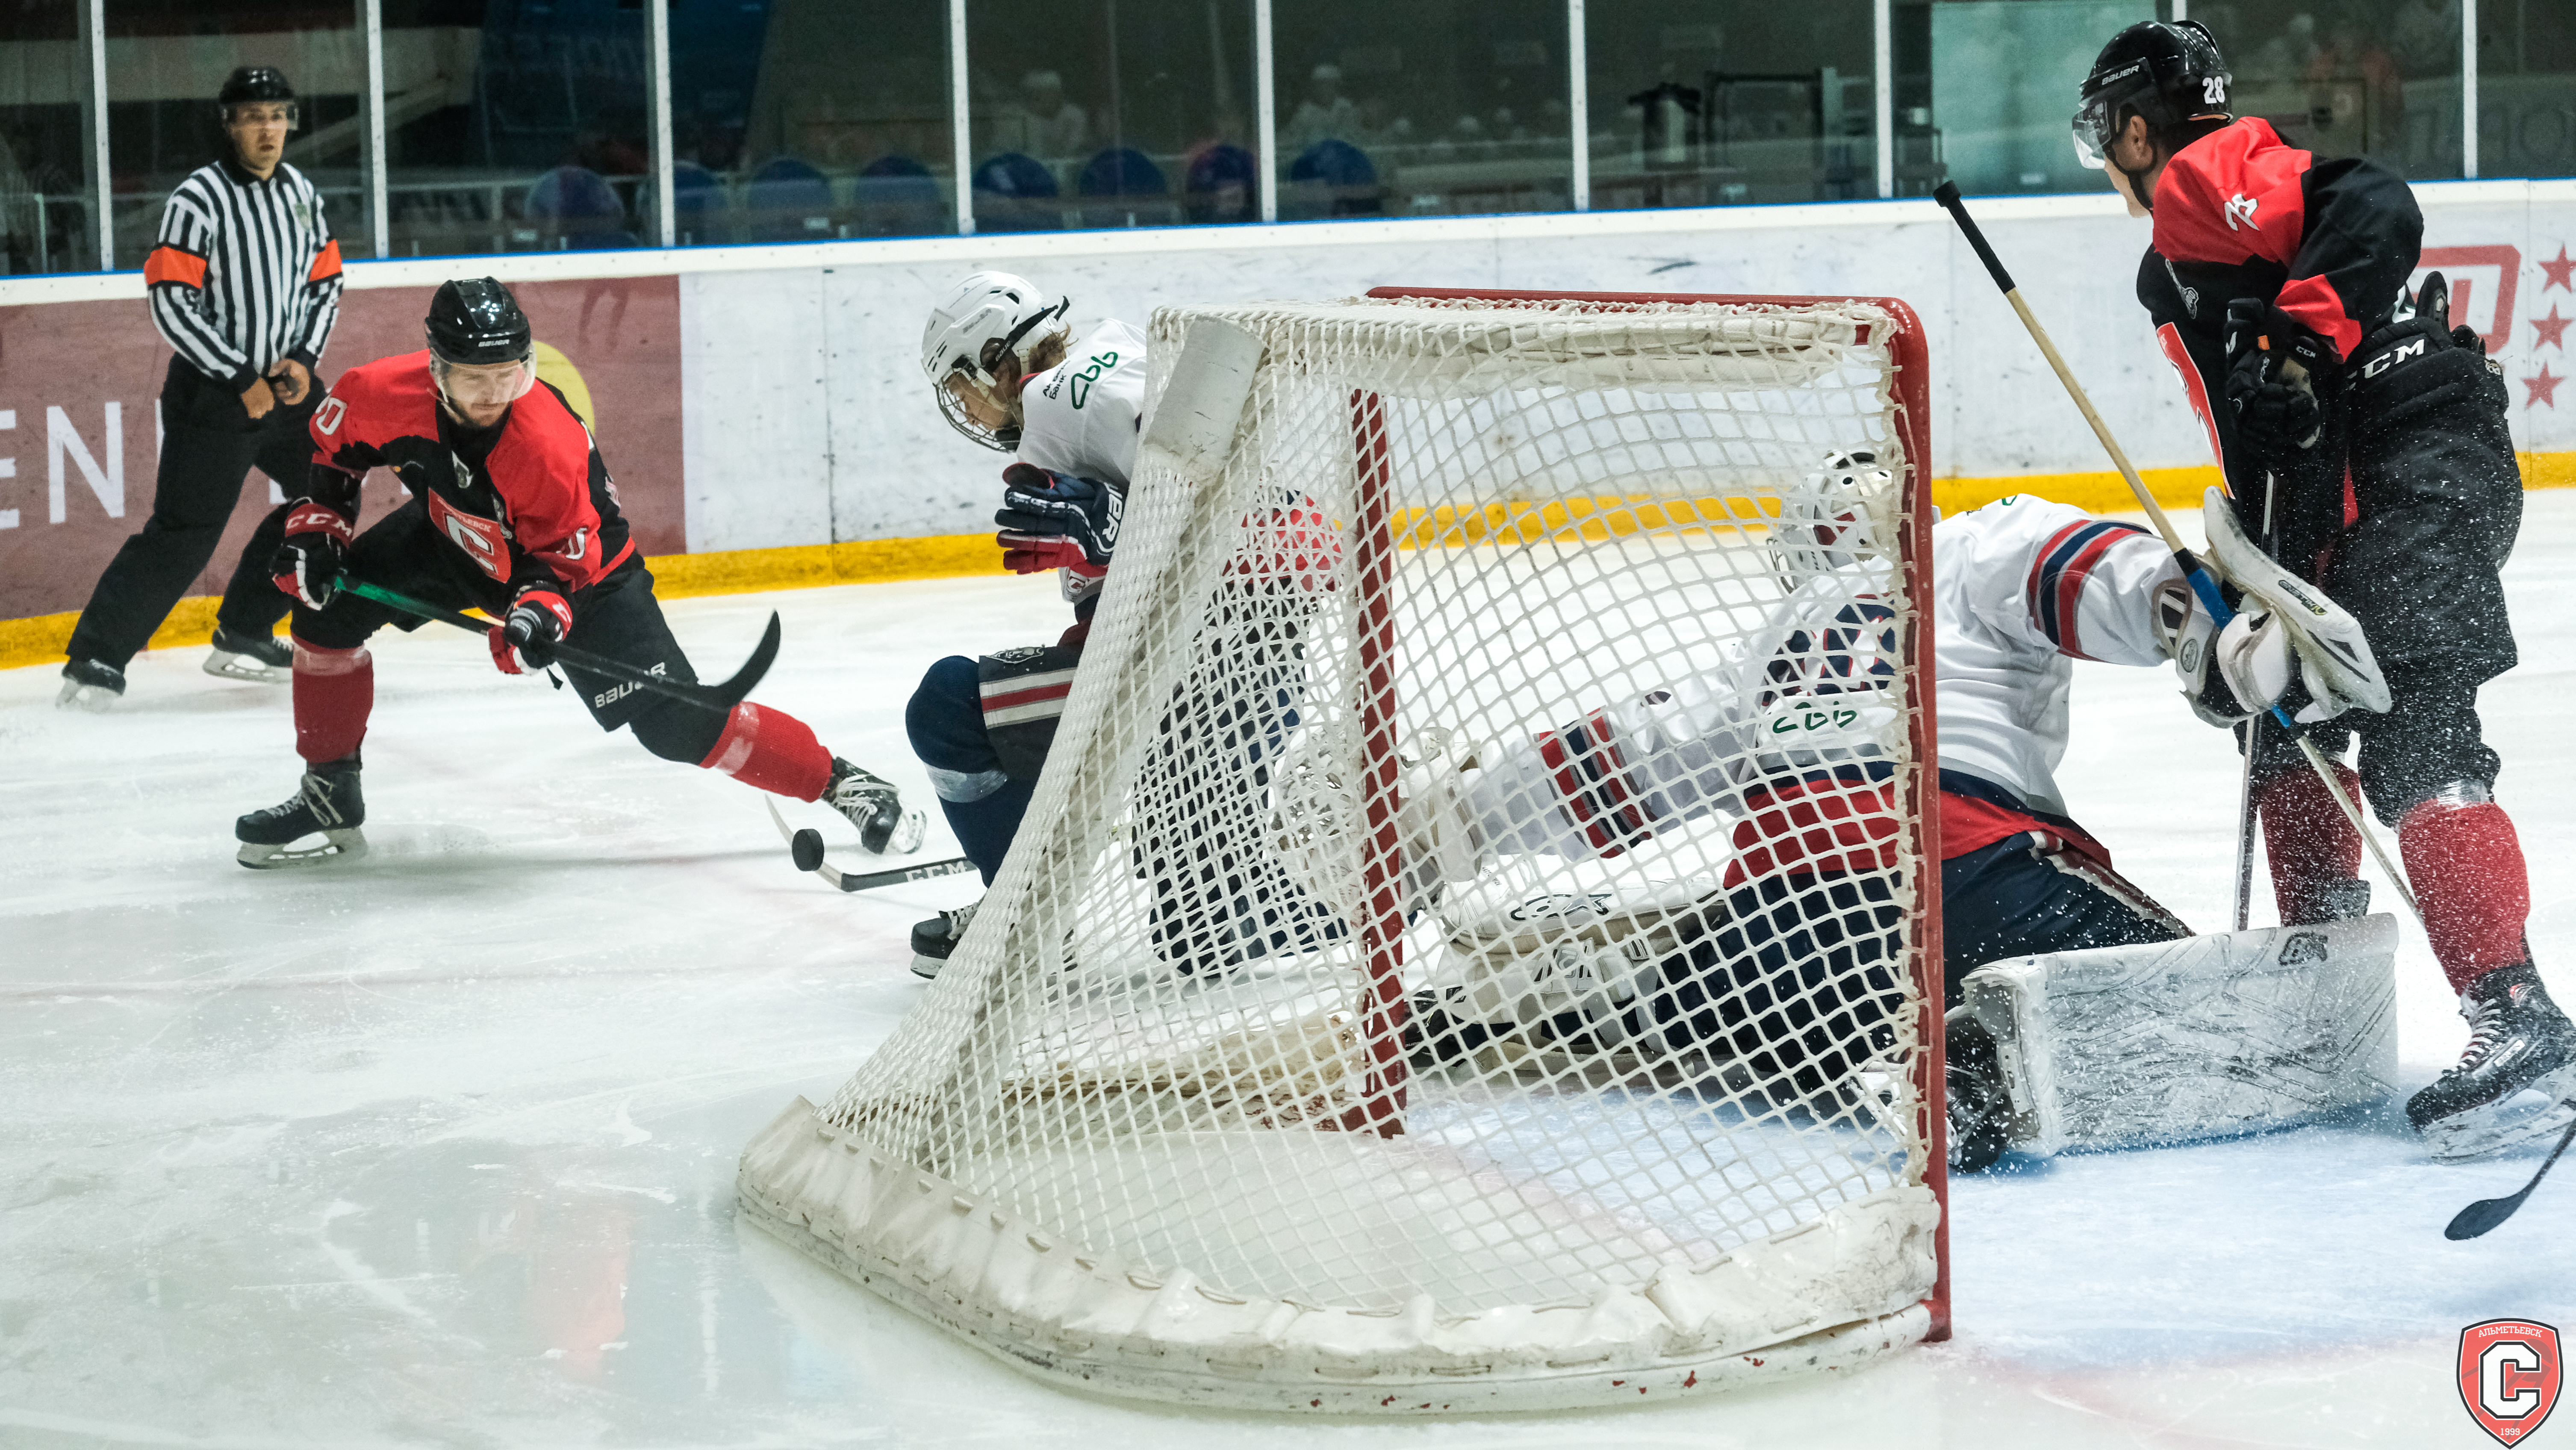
(1464, 947)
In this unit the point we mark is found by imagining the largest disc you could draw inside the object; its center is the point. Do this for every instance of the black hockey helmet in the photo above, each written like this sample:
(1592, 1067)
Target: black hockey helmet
(2166, 72)
(255, 83)
(475, 320)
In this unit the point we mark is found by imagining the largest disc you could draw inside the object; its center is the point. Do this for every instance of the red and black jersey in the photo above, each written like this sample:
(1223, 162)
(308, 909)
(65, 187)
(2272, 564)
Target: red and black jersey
(529, 502)
(2242, 213)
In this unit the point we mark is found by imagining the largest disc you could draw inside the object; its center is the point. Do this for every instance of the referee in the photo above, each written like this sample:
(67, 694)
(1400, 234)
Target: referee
(244, 285)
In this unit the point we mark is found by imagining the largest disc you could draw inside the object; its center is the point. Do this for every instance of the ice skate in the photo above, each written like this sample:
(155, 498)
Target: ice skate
(933, 940)
(2518, 1039)
(873, 805)
(89, 685)
(327, 804)
(260, 659)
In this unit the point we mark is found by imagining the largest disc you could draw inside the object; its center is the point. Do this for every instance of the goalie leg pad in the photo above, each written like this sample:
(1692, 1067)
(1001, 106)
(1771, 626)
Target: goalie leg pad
(2234, 1032)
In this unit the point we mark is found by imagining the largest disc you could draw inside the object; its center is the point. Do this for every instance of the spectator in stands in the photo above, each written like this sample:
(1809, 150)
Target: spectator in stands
(1045, 123)
(1325, 115)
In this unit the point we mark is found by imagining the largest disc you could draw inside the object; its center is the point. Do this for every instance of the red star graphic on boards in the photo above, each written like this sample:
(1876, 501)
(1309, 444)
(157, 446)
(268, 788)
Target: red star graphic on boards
(2552, 328)
(2544, 388)
(2562, 273)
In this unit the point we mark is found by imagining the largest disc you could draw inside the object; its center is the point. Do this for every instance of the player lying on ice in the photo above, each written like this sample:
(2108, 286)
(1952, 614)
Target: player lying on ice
(2364, 444)
(1009, 375)
(1792, 973)
(512, 512)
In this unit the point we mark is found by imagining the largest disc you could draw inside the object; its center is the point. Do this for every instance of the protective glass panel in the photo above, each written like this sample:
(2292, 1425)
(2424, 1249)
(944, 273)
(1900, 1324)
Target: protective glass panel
(2526, 88)
(46, 199)
(1112, 113)
(795, 124)
(1434, 109)
(1691, 107)
(2352, 77)
(514, 127)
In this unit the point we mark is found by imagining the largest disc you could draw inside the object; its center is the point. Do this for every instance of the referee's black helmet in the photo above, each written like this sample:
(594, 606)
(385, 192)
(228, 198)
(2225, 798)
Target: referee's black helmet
(475, 320)
(255, 83)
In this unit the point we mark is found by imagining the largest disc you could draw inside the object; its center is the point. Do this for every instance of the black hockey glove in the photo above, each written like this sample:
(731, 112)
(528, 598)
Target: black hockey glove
(308, 564)
(1054, 520)
(2277, 373)
(539, 619)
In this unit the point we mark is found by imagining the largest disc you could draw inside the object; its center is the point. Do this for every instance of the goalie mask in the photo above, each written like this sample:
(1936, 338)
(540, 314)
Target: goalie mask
(1824, 522)
(982, 320)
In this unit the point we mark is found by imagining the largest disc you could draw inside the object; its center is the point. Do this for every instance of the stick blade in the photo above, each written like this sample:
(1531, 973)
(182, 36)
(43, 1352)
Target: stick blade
(2481, 1216)
(746, 679)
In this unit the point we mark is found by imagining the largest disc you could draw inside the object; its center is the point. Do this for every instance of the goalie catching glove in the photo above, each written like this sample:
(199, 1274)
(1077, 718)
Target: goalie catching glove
(538, 621)
(1053, 520)
(1322, 827)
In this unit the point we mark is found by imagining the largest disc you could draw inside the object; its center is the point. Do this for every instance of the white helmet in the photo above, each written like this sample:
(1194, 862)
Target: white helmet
(977, 323)
(1825, 520)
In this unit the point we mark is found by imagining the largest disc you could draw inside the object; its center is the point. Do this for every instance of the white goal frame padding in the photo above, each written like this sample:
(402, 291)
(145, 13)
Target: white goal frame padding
(1223, 1188)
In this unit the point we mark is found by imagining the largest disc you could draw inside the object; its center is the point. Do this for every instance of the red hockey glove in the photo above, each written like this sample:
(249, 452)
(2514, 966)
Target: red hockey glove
(307, 566)
(539, 620)
(1056, 521)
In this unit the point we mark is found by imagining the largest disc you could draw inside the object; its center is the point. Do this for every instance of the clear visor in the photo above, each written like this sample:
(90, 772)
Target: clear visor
(2093, 133)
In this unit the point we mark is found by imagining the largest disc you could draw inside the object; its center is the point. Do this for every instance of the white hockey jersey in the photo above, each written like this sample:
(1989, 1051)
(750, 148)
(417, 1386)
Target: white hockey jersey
(1792, 736)
(1796, 727)
(1081, 417)
(2019, 588)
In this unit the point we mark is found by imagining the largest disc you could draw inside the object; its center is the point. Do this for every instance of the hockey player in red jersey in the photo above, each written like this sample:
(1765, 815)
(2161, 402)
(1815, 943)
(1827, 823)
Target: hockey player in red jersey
(511, 510)
(2364, 445)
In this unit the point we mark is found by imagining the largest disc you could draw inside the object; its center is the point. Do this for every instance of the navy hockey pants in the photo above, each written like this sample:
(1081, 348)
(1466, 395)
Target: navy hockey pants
(2014, 899)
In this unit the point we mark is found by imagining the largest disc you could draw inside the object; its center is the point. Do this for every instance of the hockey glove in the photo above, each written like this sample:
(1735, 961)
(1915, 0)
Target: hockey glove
(2243, 669)
(538, 621)
(308, 564)
(1053, 520)
(2276, 371)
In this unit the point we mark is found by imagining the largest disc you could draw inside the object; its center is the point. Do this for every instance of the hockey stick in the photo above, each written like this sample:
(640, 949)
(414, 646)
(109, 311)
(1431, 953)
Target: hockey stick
(2486, 1213)
(719, 698)
(2245, 825)
(2203, 582)
(806, 847)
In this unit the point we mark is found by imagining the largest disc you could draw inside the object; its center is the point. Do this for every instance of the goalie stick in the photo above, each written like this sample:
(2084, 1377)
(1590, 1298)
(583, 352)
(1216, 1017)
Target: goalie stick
(719, 698)
(2486, 1213)
(806, 848)
(2204, 582)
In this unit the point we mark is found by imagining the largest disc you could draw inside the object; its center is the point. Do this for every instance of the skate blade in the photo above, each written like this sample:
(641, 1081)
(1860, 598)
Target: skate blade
(96, 699)
(2513, 1123)
(342, 845)
(225, 665)
(907, 837)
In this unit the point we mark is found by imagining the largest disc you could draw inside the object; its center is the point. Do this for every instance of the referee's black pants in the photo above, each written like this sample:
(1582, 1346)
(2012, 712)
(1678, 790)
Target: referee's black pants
(209, 442)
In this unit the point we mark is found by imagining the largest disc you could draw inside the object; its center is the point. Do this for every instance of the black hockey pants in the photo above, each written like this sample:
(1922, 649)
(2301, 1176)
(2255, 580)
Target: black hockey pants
(209, 442)
(617, 617)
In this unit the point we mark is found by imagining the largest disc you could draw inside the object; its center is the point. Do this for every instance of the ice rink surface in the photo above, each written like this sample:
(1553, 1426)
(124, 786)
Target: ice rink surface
(438, 1149)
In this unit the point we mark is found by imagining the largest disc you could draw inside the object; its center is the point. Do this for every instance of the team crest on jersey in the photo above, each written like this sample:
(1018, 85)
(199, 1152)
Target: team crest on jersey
(2509, 1372)
(1018, 654)
(2241, 206)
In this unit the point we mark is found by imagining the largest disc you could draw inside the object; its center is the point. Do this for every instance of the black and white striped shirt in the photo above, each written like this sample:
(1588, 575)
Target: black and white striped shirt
(246, 272)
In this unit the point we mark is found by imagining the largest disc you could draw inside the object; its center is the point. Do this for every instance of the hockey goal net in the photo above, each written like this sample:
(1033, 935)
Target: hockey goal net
(1293, 1062)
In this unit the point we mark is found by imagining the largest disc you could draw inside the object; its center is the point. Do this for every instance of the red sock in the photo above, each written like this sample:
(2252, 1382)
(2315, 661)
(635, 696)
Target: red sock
(2466, 866)
(2308, 838)
(773, 750)
(335, 690)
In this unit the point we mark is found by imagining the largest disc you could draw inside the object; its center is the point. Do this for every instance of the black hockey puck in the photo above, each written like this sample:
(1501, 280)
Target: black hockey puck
(807, 847)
